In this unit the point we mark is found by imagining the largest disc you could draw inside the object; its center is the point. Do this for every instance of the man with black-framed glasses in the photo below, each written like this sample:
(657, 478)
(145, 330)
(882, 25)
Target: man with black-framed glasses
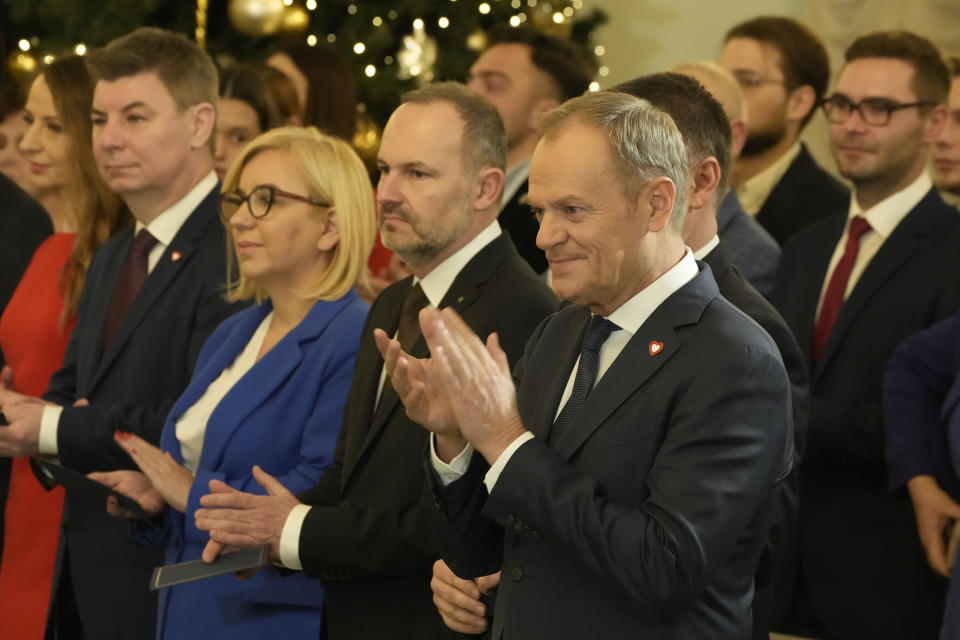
(852, 287)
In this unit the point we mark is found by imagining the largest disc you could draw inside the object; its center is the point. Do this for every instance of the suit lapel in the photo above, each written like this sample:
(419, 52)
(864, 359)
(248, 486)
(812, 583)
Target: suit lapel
(554, 379)
(92, 349)
(166, 270)
(909, 237)
(461, 295)
(636, 364)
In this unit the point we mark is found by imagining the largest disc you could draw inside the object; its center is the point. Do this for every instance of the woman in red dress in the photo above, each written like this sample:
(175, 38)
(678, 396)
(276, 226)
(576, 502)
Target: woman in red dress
(36, 324)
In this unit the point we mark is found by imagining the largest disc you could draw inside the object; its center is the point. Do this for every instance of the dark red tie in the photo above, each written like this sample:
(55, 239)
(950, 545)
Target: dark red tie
(408, 330)
(129, 283)
(837, 288)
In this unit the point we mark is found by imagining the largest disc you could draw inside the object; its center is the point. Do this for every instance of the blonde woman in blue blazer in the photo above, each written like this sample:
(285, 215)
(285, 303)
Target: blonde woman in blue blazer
(271, 381)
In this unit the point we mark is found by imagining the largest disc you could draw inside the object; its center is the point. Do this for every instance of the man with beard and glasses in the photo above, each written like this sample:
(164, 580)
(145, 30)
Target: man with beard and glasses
(360, 529)
(784, 71)
(852, 287)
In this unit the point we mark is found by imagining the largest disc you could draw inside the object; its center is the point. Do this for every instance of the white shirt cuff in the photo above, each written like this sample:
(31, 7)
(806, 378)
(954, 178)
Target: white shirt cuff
(451, 471)
(49, 421)
(290, 537)
(493, 474)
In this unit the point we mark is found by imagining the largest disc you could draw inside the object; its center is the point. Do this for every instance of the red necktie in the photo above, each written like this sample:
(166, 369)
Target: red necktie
(837, 288)
(408, 331)
(131, 279)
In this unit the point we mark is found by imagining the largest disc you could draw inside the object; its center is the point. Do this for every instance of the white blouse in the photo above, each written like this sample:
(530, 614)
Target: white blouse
(192, 425)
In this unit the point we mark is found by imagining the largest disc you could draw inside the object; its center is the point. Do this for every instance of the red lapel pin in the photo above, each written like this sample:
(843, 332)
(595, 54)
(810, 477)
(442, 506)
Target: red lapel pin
(175, 256)
(655, 347)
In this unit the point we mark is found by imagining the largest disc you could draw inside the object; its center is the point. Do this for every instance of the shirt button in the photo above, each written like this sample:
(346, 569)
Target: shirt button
(516, 573)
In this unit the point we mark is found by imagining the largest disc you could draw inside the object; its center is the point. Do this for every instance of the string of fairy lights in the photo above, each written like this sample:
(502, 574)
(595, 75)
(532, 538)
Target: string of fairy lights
(292, 18)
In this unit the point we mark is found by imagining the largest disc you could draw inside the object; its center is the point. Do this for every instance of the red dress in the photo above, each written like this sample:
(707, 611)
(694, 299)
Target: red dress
(33, 344)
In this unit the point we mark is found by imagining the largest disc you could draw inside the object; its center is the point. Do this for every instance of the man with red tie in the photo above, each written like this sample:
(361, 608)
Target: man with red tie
(852, 287)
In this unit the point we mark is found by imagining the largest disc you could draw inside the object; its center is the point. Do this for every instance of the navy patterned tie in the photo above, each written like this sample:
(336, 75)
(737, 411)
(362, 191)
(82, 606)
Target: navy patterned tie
(597, 333)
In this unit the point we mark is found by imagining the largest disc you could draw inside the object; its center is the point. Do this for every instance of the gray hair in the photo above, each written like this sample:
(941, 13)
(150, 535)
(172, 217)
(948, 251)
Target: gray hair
(644, 141)
(484, 138)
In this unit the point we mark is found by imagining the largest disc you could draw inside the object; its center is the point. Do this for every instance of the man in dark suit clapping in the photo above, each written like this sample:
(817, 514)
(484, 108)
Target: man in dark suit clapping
(626, 477)
(361, 528)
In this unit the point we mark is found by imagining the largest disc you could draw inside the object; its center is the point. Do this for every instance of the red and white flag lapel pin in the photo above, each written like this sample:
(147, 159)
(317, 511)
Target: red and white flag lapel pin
(655, 347)
(175, 256)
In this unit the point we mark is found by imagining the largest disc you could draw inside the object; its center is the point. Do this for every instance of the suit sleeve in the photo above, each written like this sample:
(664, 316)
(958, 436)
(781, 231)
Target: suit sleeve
(470, 543)
(918, 378)
(726, 444)
(85, 434)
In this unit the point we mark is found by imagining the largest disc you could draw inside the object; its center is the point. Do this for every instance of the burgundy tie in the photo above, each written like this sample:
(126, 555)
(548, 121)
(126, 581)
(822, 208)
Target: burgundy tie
(837, 288)
(131, 279)
(408, 330)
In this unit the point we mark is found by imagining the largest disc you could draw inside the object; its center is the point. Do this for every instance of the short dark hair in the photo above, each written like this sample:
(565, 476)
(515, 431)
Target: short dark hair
(184, 68)
(484, 139)
(803, 58)
(559, 58)
(953, 64)
(931, 78)
(247, 83)
(331, 88)
(699, 117)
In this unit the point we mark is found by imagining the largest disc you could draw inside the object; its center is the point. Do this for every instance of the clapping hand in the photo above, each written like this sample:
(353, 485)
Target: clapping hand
(170, 479)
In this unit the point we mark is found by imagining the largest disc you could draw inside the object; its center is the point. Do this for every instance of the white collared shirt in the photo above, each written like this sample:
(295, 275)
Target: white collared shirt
(629, 317)
(883, 218)
(705, 250)
(755, 191)
(435, 286)
(514, 177)
(164, 228)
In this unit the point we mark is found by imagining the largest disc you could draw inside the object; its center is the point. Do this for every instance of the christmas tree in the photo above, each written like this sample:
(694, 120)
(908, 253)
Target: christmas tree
(391, 47)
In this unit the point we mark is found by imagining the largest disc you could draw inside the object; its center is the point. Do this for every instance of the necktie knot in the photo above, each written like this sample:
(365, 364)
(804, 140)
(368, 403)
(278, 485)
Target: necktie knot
(143, 243)
(597, 333)
(858, 227)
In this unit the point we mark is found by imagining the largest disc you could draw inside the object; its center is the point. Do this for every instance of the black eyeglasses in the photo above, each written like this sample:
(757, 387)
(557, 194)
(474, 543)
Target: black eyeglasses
(259, 201)
(873, 111)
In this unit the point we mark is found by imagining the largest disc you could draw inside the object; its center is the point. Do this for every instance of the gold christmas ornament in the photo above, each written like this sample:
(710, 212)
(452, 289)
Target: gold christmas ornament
(21, 65)
(256, 17)
(295, 20)
(366, 140)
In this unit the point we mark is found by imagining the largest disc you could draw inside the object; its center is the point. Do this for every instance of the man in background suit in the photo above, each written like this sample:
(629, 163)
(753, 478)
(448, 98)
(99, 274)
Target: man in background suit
(750, 246)
(852, 287)
(525, 73)
(640, 507)
(361, 528)
(152, 297)
(784, 71)
(703, 124)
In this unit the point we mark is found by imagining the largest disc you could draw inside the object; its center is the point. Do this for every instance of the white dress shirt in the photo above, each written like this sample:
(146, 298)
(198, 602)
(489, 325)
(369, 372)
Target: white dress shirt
(435, 286)
(883, 218)
(192, 425)
(164, 228)
(512, 180)
(629, 317)
(755, 191)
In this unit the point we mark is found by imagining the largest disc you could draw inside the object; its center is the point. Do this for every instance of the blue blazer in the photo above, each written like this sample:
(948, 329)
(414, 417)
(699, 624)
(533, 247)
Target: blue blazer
(284, 415)
(921, 404)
